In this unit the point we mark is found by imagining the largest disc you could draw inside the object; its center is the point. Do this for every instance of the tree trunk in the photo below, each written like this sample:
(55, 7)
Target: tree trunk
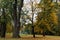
(3, 25)
(15, 35)
(17, 19)
(33, 31)
(3, 30)
(43, 33)
(19, 15)
(32, 21)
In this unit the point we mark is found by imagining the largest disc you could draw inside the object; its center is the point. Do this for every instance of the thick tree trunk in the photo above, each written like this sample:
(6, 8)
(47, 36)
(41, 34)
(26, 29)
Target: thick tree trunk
(3, 30)
(19, 15)
(3, 25)
(15, 35)
(17, 19)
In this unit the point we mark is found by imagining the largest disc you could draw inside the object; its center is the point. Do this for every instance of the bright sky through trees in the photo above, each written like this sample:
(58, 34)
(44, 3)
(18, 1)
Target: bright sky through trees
(27, 1)
(27, 5)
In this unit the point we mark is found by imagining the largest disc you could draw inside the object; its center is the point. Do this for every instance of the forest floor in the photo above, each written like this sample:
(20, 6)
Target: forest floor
(29, 37)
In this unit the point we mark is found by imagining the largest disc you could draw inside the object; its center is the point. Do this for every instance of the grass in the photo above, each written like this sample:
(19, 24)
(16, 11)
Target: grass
(30, 37)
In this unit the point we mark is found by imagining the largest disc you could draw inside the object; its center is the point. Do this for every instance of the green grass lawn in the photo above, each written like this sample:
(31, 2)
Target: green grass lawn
(29, 37)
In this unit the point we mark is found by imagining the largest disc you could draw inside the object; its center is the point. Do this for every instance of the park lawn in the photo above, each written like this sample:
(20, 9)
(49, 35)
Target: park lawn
(29, 37)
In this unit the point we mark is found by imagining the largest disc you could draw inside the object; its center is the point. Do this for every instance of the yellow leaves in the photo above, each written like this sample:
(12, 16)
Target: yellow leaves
(42, 6)
(38, 5)
(9, 27)
(54, 18)
(52, 4)
(47, 18)
(38, 30)
(59, 3)
(49, 1)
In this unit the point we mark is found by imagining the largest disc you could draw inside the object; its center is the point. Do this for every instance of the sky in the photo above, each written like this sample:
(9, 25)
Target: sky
(27, 5)
(27, 1)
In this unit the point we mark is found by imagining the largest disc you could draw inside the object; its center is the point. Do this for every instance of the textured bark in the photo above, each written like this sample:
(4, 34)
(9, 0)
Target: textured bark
(3, 30)
(19, 15)
(3, 25)
(17, 19)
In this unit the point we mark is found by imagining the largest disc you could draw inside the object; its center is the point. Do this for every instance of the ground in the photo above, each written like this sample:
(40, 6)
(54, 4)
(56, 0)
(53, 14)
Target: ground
(29, 37)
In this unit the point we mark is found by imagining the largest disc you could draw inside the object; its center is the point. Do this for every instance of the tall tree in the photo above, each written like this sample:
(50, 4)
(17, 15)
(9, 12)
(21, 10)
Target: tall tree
(19, 15)
(5, 6)
(47, 19)
(17, 18)
(32, 21)
(3, 26)
(6, 9)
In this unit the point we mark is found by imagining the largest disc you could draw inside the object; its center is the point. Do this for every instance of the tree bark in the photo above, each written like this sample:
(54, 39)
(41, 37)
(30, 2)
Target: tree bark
(33, 31)
(3, 25)
(19, 15)
(32, 21)
(17, 19)
(43, 33)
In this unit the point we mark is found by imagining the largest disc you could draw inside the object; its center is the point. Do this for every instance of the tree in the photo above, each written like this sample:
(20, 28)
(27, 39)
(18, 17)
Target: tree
(5, 7)
(19, 15)
(47, 19)
(3, 27)
(17, 18)
(32, 22)
(3, 21)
